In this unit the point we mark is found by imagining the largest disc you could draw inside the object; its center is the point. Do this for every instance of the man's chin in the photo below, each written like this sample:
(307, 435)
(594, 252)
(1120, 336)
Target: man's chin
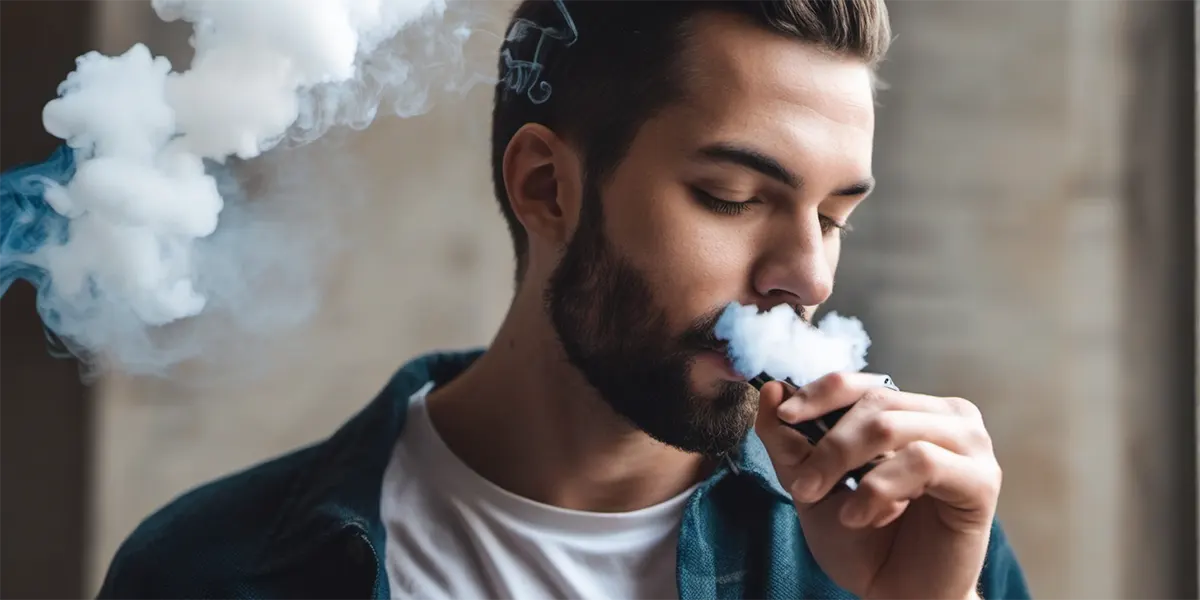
(716, 444)
(709, 423)
(723, 421)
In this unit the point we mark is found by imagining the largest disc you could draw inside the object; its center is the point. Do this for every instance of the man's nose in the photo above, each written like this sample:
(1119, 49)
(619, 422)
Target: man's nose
(796, 268)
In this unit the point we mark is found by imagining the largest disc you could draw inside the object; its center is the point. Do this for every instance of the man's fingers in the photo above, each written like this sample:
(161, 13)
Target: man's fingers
(863, 435)
(826, 394)
(839, 390)
(785, 445)
(771, 395)
(966, 485)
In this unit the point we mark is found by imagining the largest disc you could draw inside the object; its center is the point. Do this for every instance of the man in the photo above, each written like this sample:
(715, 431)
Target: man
(655, 161)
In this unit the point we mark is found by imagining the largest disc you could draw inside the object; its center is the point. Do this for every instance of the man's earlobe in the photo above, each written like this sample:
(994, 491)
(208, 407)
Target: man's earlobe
(542, 184)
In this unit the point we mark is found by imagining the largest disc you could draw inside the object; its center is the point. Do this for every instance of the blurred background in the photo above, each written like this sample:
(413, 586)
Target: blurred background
(1032, 246)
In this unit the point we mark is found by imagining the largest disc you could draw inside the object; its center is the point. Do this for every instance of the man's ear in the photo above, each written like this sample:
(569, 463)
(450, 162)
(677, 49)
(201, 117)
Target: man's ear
(542, 177)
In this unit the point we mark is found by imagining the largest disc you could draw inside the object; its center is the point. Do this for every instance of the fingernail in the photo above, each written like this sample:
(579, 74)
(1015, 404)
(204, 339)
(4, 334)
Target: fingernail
(886, 381)
(789, 411)
(808, 482)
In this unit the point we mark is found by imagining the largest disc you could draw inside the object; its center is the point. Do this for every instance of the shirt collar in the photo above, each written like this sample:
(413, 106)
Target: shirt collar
(750, 460)
(343, 486)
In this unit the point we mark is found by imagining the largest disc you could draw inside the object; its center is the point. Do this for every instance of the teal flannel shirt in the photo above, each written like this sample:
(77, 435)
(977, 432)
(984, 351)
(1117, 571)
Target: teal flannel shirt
(307, 524)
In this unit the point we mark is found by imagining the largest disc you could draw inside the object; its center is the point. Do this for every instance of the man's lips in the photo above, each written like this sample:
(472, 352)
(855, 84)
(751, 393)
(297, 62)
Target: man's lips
(721, 357)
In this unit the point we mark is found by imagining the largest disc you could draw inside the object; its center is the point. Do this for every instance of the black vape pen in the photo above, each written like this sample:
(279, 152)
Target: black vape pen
(815, 429)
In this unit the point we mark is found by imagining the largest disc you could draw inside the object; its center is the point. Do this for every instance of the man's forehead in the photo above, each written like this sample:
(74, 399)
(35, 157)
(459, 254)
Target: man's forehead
(731, 64)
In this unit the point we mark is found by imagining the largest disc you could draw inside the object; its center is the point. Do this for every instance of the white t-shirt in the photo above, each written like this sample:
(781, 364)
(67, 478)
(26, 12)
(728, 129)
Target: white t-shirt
(453, 534)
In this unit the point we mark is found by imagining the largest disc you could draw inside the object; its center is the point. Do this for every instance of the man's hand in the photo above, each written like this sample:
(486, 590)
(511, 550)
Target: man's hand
(918, 525)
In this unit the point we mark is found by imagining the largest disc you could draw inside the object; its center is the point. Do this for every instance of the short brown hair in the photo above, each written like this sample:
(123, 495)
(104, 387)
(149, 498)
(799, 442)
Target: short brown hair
(609, 65)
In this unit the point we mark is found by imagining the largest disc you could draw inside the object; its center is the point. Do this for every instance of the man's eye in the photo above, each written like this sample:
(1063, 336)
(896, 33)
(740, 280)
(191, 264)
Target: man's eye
(829, 225)
(735, 207)
(721, 206)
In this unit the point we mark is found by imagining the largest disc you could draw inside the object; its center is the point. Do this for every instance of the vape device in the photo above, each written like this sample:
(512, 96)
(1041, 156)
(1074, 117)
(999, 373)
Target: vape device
(815, 429)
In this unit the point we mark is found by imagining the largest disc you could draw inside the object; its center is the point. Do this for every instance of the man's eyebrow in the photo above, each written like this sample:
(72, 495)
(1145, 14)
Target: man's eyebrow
(765, 164)
(859, 189)
(751, 159)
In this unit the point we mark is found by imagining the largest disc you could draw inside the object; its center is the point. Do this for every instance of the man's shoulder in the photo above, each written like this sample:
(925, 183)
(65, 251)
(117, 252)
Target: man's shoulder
(208, 537)
(218, 539)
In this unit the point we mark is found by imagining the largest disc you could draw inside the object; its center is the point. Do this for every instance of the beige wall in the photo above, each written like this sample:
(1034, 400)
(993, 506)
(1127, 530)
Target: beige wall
(992, 265)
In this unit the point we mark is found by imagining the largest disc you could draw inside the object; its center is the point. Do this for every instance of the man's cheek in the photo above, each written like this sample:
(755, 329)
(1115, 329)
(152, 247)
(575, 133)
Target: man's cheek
(833, 254)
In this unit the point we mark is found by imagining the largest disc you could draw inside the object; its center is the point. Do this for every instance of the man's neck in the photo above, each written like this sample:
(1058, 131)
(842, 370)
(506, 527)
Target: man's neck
(524, 419)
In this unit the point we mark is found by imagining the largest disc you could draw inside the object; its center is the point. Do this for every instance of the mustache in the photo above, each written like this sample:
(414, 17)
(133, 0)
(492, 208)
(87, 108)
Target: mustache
(701, 333)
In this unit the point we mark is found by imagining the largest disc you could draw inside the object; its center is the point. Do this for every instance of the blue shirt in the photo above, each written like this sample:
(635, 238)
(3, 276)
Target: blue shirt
(307, 524)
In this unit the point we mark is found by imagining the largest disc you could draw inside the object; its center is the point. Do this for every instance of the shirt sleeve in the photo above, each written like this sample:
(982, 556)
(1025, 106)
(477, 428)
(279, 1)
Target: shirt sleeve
(1002, 577)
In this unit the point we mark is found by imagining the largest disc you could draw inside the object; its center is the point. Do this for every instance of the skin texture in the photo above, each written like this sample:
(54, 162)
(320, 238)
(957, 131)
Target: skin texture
(597, 382)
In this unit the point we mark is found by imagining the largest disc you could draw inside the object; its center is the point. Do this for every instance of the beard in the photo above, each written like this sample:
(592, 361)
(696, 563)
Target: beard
(602, 308)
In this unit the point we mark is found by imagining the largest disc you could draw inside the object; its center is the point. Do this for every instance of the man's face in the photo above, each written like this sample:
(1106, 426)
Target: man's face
(736, 194)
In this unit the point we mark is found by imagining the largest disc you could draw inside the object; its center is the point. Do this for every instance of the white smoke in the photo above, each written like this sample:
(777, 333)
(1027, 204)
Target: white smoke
(782, 345)
(150, 143)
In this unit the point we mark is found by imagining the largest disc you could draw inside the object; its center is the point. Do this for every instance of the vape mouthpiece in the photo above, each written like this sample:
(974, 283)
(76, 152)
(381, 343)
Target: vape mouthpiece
(815, 429)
